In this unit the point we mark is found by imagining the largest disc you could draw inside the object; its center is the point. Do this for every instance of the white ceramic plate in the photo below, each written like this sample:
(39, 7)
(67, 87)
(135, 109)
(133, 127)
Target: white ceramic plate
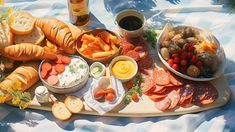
(220, 53)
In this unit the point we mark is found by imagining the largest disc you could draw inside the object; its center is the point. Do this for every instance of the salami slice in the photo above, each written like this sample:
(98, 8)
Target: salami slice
(145, 63)
(126, 47)
(148, 85)
(160, 77)
(174, 97)
(133, 54)
(205, 93)
(158, 88)
(175, 81)
(163, 104)
(157, 97)
(186, 102)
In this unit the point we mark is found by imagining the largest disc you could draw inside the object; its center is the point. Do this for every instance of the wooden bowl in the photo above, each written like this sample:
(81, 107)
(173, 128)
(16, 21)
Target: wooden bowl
(90, 59)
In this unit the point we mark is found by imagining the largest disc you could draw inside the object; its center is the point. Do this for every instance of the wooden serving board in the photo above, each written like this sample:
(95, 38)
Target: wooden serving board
(145, 107)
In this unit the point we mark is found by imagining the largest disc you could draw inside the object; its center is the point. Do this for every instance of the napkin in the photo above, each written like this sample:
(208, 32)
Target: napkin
(104, 107)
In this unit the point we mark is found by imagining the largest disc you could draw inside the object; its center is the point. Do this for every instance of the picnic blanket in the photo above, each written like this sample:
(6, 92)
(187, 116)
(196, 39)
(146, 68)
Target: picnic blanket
(200, 13)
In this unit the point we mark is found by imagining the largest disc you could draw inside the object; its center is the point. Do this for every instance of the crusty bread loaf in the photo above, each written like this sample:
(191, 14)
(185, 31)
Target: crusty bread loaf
(57, 32)
(21, 78)
(60, 111)
(74, 104)
(75, 31)
(6, 36)
(26, 52)
(35, 37)
(21, 22)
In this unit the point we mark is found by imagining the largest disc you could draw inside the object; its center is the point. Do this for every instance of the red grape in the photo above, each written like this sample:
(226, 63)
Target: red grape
(184, 55)
(189, 55)
(170, 62)
(175, 66)
(177, 60)
(175, 55)
(183, 62)
(191, 48)
(194, 59)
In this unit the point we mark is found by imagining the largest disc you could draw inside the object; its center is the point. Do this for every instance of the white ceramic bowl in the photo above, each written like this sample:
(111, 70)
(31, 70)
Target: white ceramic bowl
(65, 89)
(97, 64)
(124, 58)
(220, 53)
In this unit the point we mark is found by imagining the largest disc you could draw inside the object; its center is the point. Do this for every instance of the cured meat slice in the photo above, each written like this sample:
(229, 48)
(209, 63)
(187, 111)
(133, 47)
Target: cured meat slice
(186, 92)
(157, 97)
(141, 51)
(133, 54)
(158, 88)
(175, 81)
(126, 47)
(145, 63)
(163, 104)
(174, 97)
(186, 102)
(148, 85)
(205, 93)
(160, 77)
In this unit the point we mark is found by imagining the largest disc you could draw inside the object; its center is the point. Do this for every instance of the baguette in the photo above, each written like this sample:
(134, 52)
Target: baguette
(57, 32)
(35, 37)
(21, 22)
(24, 76)
(6, 37)
(26, 52)
(60, 111)
(73, 104)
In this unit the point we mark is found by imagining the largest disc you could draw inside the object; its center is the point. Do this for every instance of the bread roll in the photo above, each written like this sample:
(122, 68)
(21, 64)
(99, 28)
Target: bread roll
(35, 37)
(74, 104)
(57, 32)
(21, 22)
(6, 37)
(60, 111)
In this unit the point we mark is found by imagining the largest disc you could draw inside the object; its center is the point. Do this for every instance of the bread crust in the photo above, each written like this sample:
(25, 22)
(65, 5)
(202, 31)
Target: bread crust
(26, 52)
(73, 104)
(6, 36)
(24, 27)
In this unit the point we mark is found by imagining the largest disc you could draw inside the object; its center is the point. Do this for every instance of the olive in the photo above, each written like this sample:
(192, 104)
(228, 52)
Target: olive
(165, 53)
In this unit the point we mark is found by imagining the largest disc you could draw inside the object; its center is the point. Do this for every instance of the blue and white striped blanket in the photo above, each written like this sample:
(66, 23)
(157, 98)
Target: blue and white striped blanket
(199, 13)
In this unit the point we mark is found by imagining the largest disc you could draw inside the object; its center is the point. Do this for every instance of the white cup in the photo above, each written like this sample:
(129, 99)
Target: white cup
(130, 33)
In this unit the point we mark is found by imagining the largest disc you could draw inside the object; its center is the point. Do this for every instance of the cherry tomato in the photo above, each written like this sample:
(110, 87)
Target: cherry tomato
(99, 94)
(129, 84)
(170, 62)
(110, 97)
(134, 97)
(109, 90)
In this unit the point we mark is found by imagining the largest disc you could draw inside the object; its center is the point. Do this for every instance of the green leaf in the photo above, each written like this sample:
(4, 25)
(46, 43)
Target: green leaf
(151, 36)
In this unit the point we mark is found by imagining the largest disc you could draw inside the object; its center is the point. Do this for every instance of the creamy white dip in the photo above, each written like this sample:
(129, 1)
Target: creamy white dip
(74, 72)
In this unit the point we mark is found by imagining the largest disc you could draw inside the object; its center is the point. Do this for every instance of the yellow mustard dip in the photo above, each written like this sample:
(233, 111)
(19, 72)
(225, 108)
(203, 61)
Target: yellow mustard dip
(123, 69)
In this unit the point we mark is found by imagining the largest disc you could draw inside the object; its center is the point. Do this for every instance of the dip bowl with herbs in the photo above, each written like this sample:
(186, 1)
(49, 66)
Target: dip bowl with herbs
(67, 74)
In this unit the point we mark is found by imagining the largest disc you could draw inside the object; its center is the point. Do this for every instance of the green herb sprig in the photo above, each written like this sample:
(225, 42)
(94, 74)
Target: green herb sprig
(151, 36)
(135, 88)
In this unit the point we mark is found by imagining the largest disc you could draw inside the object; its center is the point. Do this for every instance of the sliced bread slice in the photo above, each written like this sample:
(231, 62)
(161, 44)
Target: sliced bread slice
(60, 111)
(35, 37)
(74, 104)
(6, 36)
(21, 22)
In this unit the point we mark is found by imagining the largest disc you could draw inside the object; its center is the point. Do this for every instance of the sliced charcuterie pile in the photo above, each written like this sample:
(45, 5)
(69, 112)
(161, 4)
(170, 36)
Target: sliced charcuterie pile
(169, 91)
(137, 49)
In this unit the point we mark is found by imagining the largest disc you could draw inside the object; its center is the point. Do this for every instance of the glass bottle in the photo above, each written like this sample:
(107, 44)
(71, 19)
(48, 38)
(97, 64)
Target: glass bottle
(78, 11)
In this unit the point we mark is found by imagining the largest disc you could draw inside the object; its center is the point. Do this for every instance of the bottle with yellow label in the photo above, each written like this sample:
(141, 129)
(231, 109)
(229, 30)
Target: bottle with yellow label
(78, 11)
